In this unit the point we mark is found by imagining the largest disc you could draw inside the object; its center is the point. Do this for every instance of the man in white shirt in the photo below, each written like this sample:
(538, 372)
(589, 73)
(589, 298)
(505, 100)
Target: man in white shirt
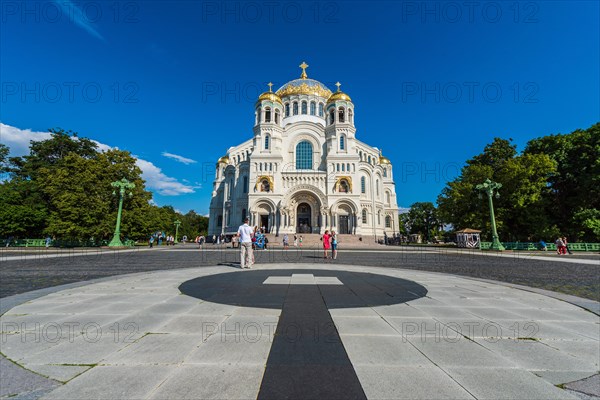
(245, 233)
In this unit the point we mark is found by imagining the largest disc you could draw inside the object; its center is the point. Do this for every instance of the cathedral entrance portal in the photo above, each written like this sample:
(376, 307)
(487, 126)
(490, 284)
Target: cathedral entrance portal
(344, 225)
(264, 222)
(304, 216)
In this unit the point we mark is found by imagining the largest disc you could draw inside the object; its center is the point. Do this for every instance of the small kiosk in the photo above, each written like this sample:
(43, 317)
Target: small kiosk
(468, 238)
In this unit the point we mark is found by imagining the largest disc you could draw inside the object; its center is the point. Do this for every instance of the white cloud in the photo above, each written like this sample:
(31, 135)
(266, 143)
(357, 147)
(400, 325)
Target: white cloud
(78, 17)
(18, 139)
(180, 159)
(18, 142)
(161, 183)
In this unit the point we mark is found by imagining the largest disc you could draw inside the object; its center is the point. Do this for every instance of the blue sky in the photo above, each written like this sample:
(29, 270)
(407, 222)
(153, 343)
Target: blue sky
(175, 82)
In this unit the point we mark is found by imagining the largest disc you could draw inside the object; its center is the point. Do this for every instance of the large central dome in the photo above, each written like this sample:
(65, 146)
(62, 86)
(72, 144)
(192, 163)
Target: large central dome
(304, 86)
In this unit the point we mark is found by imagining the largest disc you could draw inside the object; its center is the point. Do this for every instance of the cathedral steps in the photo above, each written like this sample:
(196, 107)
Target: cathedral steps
(313, 240)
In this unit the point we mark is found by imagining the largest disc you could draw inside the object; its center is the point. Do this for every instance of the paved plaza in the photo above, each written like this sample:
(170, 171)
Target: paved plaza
(297, 330)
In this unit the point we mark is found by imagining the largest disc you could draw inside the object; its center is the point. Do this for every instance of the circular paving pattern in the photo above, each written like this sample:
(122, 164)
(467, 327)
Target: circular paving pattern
(299, 330)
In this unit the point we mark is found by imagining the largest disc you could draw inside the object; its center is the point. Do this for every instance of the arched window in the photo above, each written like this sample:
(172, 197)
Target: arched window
(320, 109)
(343, 167)
(369, 159)
(295, 108)
(388, 221)
(364, 216)
(377, 187)
(287, 109)
(342, 144)
(258, 115)
(378, 217)
(304, 108)
(385, 172)
(267, 115)
(304, 155)
(331, 117)
(363, 185)
(348, 167)
(350, 114)
(338, 167)
(238, 158)
(276, 116)
(245, 184)
(341, 115)
(313, 108)
(387, 198)
(266, 142)
(360, 155)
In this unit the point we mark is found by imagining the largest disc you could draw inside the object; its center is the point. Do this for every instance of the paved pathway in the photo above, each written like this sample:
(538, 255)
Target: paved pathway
(220, 332)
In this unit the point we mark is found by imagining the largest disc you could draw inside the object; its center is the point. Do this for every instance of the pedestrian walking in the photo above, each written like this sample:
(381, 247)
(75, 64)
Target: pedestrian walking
(245, 233)
(560, 246)
(326, 244)
(300, 240)
(48, 241)
(214, 239)
(334, 244)
(151, 241)
(286, 242)
(295, 241)
(566, 243)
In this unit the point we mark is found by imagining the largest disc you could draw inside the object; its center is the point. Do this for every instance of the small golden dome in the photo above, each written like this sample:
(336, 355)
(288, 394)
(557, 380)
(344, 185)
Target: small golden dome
(270, 96)
(384, 160)
(339, 95)
(223, 160)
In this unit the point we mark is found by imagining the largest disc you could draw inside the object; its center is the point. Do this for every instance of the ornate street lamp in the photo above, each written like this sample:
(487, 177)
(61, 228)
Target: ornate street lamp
(122, 185)
(489, 187)
(177, 223)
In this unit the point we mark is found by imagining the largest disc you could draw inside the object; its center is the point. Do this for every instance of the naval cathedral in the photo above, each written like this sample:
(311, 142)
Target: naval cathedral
(304, 170)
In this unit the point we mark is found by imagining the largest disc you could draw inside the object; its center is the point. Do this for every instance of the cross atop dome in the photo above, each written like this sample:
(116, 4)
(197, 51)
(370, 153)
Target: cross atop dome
(270, 85)
(338, 85)
(303, 66)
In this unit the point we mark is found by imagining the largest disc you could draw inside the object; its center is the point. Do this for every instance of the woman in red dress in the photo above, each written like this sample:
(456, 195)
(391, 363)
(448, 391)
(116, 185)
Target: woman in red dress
(326, 243)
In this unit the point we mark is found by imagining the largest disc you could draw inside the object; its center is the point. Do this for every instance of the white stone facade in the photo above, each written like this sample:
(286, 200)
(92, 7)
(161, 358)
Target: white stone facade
(304, 171)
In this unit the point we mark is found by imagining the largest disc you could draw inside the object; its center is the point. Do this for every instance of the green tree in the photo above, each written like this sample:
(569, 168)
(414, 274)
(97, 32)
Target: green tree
(520, 209)
(574, 195)
(63, 188)
(422, 218)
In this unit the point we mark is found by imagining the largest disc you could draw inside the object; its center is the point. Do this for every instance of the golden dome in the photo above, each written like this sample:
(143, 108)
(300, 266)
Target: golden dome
(270, 96)
(339, 95)
(384, 160)
(306, 86)
(223, 160)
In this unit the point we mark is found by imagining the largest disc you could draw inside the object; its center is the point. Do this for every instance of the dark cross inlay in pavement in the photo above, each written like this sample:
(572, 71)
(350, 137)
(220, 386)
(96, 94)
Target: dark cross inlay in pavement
(307, 357)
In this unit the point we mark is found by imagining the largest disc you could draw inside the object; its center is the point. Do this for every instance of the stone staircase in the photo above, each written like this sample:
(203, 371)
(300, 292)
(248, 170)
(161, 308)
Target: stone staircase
(313, 240)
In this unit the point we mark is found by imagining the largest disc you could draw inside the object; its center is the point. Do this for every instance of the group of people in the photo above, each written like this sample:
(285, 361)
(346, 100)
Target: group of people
(330, 241)
(297, 241)
(247, 237)
(158, 238)
(218, 239)
(562, 246)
